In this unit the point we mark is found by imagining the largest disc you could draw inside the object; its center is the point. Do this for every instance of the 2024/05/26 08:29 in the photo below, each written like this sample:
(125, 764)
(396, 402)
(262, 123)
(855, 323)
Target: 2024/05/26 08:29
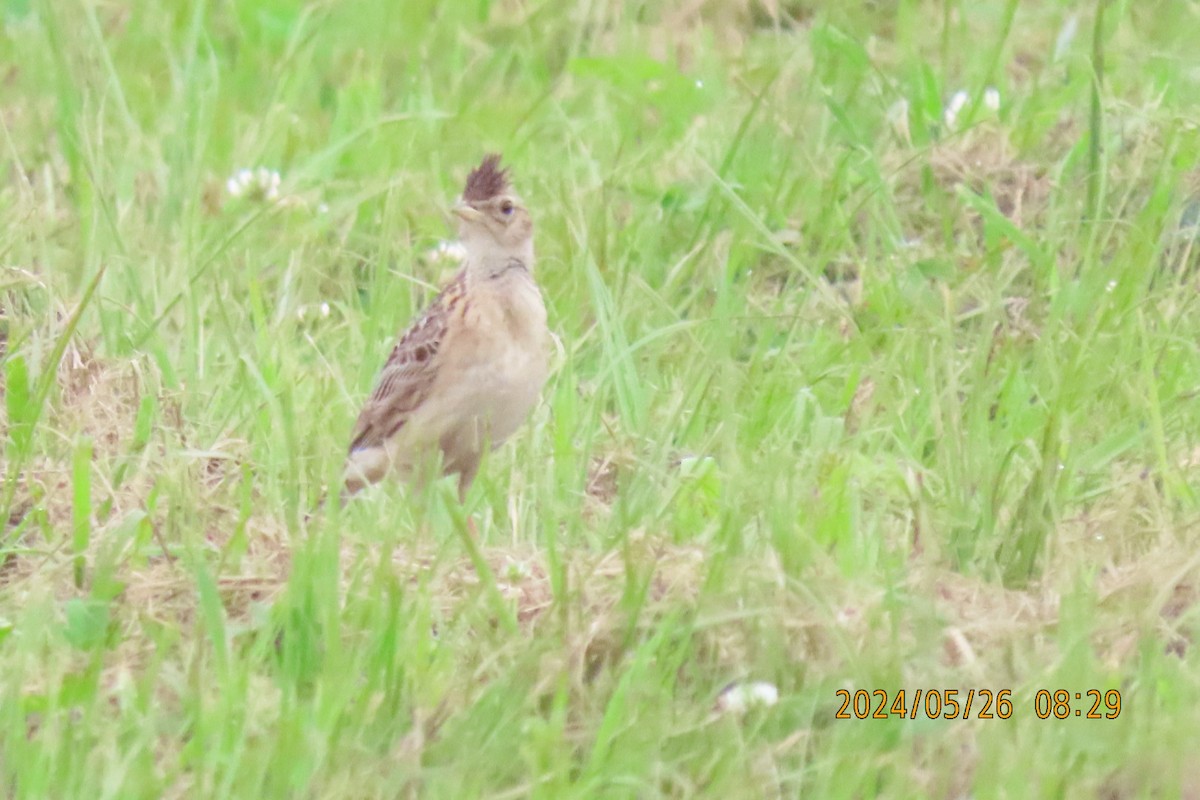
(986, 703)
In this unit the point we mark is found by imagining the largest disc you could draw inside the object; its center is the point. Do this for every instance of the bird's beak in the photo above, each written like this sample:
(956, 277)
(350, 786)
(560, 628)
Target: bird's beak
(466, 212)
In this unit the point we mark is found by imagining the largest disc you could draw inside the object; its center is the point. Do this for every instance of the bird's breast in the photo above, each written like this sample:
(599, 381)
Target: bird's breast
(505, 369)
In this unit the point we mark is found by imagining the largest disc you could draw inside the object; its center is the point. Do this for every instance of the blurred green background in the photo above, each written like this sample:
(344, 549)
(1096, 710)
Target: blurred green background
(877, 370)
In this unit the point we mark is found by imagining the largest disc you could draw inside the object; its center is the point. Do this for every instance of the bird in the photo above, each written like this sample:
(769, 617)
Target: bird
(469, 370)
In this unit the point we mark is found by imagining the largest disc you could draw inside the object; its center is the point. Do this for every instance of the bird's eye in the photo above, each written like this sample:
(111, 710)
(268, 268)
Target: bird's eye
(506, 207)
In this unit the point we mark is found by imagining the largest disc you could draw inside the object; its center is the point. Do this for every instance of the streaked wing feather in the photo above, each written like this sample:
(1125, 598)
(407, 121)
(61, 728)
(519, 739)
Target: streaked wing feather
(406, 378)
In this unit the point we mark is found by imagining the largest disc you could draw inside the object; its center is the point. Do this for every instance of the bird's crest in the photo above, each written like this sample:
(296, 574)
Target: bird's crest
(486, 181)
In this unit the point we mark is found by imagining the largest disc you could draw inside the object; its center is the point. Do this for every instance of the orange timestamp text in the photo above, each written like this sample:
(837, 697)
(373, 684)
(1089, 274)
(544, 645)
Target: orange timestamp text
(974, 704)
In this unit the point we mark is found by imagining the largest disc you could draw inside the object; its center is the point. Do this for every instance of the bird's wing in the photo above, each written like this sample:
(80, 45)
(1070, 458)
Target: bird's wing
(407, 377)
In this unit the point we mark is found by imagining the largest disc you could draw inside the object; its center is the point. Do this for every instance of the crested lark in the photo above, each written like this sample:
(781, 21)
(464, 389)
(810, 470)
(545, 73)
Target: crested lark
(467, 373)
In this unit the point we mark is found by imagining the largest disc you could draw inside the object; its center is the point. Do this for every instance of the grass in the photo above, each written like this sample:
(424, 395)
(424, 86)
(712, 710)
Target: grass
(848, 397)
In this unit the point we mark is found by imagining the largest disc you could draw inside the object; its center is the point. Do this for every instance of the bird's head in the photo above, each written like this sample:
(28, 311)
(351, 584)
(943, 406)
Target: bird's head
(492, 219)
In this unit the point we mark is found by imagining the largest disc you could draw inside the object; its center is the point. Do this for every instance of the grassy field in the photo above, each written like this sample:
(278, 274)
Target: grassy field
(864, 384)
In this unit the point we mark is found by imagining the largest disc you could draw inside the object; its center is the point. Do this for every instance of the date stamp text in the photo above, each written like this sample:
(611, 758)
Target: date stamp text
(975, 704)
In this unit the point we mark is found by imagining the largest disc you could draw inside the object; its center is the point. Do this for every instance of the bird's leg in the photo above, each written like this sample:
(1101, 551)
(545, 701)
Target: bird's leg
(466, 476)
(465, 479)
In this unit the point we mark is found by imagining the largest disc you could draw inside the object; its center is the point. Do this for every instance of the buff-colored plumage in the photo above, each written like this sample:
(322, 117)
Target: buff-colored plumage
(467, 373)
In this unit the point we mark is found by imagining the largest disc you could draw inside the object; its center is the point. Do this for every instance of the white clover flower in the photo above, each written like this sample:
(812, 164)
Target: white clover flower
(239, 182)
(738, 698)
(261, 183)
(447, 251)
(991, 98)
(324, 309)
(958, 102)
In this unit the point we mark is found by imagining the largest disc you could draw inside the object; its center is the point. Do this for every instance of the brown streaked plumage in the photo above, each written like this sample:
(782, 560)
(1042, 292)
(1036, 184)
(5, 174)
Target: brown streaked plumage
(405, 379)
(486, 181)
(467, 373)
